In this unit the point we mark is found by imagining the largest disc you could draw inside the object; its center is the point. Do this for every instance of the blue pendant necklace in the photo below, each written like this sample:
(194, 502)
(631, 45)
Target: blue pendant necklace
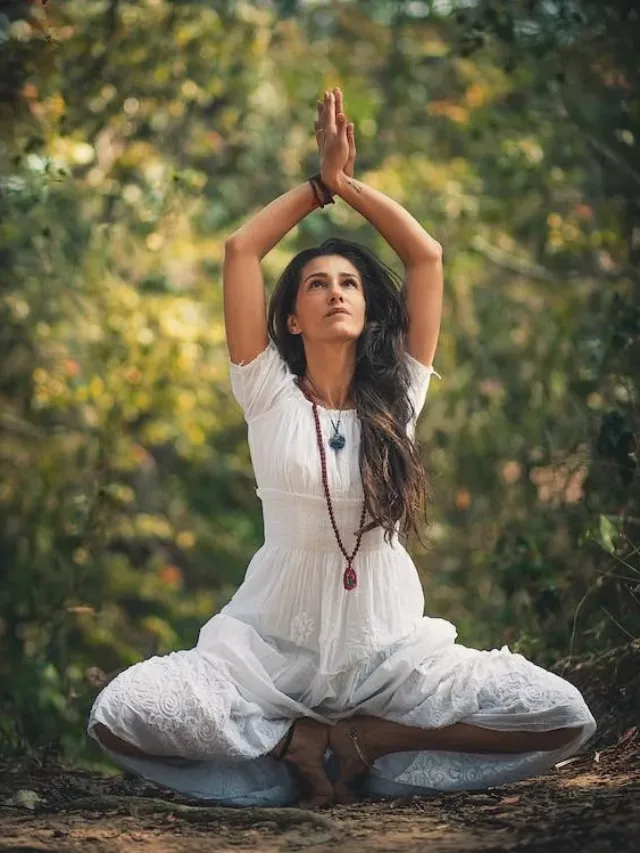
(337, 440)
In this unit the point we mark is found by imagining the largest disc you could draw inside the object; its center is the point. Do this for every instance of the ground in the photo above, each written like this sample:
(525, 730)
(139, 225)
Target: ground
(591, 803)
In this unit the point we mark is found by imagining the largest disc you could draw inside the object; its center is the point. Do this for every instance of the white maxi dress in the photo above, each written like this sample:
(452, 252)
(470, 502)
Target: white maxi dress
(293, 642)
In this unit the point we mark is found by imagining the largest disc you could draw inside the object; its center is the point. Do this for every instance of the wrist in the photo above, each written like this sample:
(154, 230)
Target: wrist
(333, 180)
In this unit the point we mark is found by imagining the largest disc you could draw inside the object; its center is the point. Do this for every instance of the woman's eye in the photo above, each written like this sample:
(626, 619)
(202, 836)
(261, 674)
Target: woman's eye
(350, 281)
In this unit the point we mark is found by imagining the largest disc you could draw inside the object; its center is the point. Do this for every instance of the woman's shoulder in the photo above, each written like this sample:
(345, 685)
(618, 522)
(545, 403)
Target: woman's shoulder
(259, 384)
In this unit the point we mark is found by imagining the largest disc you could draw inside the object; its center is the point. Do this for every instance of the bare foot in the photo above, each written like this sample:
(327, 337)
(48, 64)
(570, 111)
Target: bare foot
(305, 756)
(343, 737)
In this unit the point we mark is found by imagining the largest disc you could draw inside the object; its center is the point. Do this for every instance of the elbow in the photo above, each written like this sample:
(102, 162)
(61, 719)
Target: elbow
(232, 245)
(434, 252)
(236, 245)
(431, 254)
(427, 255)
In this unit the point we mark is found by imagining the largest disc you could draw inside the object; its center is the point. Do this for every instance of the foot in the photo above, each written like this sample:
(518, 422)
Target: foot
(305, 756)
(351, 742)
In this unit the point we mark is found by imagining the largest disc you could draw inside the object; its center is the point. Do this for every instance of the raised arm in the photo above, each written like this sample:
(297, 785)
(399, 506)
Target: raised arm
(245, 313)
(418, 251)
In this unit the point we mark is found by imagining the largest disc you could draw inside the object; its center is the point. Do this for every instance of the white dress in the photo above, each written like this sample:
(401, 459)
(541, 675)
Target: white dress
(292, 641)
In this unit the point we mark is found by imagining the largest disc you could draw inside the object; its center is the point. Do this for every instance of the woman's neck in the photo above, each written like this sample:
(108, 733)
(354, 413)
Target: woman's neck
(324, 401)
(329, 374)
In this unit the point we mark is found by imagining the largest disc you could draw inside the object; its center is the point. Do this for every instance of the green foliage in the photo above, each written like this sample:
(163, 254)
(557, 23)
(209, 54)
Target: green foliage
(133, 137)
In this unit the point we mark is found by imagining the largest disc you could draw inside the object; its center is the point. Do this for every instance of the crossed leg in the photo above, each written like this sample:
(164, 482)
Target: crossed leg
(305, 754)
(378, 737)
(359, 740)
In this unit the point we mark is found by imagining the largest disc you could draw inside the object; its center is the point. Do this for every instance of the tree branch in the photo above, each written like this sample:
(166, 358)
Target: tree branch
(284, 817)
(510, 262)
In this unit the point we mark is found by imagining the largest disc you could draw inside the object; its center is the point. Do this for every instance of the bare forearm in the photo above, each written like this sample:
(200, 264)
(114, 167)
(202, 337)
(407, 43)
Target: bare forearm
(402, 232)
(265, 230)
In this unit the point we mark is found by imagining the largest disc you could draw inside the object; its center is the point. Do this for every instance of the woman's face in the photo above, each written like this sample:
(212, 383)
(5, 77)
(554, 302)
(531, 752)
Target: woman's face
(327, 283)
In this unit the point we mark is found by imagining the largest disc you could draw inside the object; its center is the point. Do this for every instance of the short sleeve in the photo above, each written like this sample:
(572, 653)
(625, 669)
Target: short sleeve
(260, 383)
(419, 380)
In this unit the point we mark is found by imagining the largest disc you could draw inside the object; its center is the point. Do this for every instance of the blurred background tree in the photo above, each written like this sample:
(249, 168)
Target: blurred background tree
(134, 137)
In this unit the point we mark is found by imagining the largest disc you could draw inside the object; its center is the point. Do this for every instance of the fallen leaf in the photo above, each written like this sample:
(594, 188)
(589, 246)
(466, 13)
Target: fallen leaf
(24, 799)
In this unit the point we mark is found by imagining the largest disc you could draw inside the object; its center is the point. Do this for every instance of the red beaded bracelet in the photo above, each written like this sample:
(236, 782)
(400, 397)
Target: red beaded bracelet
(322, 192)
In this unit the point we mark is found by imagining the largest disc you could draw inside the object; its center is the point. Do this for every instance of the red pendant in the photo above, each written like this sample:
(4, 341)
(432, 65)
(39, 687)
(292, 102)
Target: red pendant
(350, 578)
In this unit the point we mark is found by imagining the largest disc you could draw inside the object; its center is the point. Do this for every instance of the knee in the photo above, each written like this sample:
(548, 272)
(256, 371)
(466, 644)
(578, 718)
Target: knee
(107, 738)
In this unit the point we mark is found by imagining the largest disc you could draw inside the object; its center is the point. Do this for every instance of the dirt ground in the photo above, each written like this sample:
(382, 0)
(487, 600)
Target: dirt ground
(591, 803)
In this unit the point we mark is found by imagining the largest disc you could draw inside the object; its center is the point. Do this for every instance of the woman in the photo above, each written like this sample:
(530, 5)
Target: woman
(323, 657)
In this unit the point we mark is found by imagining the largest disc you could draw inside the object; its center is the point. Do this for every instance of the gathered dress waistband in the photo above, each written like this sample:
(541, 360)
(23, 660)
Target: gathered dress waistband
(303, 522)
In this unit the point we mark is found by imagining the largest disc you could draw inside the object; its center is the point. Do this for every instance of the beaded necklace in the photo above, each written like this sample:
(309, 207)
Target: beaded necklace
(349, 577)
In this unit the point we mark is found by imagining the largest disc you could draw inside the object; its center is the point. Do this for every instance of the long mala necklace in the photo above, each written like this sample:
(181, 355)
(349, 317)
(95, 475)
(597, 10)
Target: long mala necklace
(349, 577)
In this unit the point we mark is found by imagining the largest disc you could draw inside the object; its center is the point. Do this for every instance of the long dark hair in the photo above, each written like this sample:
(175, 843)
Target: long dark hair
(394, 479)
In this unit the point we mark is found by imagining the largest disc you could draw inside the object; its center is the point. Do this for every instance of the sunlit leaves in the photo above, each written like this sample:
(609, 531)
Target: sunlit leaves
(148, 134)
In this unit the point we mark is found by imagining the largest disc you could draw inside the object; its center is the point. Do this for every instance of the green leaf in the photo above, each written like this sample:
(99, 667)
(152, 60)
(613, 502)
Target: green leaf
(610, 529)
